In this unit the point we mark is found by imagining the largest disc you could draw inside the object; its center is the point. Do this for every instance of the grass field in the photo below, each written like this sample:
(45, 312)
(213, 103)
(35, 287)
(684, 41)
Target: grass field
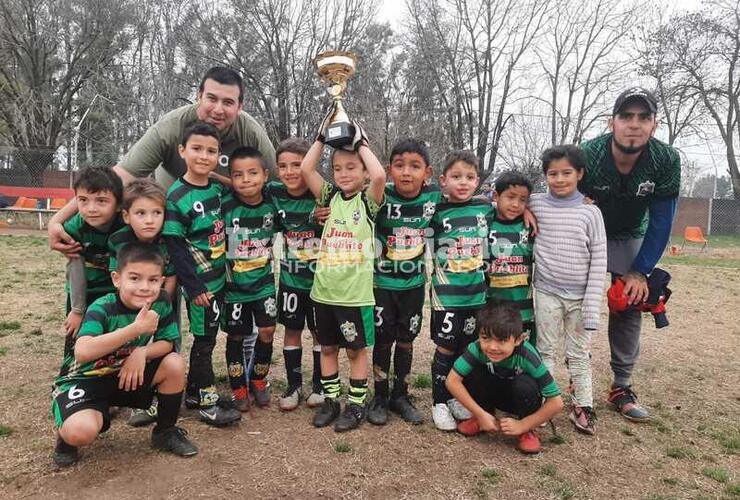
(689, 376)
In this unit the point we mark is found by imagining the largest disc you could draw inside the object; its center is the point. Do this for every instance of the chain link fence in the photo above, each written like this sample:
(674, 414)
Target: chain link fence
(48, 168)
(713, 216)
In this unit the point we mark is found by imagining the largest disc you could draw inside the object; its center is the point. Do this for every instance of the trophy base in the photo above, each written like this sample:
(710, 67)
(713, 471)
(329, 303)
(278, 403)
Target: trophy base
(339, 135)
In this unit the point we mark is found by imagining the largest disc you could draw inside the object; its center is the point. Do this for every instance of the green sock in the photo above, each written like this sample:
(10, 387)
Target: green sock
(357, 391)
(331, 386)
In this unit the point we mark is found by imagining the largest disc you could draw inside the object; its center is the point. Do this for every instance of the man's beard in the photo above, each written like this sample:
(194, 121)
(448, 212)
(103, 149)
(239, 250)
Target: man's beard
(629, 150)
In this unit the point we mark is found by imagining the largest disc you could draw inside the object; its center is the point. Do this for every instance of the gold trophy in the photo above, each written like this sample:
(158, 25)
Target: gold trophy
(335, 68)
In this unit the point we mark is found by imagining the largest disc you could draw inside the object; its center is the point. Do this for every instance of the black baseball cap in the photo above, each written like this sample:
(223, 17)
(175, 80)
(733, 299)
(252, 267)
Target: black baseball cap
(636, 94)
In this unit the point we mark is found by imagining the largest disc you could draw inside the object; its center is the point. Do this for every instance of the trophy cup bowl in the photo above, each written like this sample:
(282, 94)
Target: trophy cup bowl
(335, 68)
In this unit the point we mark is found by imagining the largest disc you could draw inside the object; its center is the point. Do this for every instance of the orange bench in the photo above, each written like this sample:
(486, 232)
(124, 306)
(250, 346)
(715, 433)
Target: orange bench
(24, 203)
(27, 202)
(694, 234)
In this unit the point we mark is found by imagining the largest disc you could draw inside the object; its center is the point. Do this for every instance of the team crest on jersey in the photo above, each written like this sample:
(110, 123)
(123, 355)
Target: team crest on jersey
(524, 236)
(414, 324)
(268, 221)
(646, 188)
(356, 216)
(271, 307)
(429, 208)
(236, 370)
(481, 220)
(469, 327)
(349, 331)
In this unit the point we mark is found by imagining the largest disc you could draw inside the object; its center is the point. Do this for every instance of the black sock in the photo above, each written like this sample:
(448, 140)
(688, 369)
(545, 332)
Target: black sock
(441, 365)
(167, 410)
(201, 364)
(357, 391)
(402, 357)
(293, 356)
(235, 362)
(316, 377)
(262, 358)
(381, 367)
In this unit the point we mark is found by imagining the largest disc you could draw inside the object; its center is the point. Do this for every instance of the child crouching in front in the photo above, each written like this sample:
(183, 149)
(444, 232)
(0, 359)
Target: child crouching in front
(502, 371)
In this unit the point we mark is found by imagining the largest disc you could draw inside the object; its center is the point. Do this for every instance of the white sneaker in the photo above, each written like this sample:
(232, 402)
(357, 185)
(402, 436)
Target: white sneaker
(291, 399)
(315, 400)
(458, 410)
(443, 418)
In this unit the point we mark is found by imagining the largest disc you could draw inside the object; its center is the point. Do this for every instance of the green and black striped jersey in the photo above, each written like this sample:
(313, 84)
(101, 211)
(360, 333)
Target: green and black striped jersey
(250, 230)
(624, 199)
(126, 235)
(401, 230)
(524, 360)
(106, 315)
(301, 236)
(511, 246)
(95, 252)
(460, 236)
(194, 214)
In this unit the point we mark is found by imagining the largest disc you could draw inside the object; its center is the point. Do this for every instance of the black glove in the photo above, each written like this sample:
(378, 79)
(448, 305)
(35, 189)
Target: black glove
(321, 132)
(360, 138)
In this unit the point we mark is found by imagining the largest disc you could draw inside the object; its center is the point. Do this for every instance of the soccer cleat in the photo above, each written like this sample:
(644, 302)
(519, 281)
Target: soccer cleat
(625, 402)
(458, 410)
(351, 418)
(377, 410)
(326, 413)
(173, 440)
(529, 443)
(65, 455)
(469, 427)
(442, 417)
(261, 392)
(142, 418)
(403, 407)
(240, 398)
(315, 399)
(583, 418)
(192, 402)
(206, 397)
(290, 400)
(219, 415)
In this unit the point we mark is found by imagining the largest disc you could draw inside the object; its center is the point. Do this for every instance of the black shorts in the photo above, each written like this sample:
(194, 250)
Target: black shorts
(350, 327)
(398, 315)
(204, 321)
(100, 393)
(295, 309)
(454, 329)
(240, 318)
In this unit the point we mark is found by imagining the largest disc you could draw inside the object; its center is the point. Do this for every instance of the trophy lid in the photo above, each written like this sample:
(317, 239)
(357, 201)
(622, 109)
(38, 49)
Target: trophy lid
(335, 66)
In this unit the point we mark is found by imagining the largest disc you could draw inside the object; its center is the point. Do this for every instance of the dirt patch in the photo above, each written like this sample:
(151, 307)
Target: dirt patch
(688, 374)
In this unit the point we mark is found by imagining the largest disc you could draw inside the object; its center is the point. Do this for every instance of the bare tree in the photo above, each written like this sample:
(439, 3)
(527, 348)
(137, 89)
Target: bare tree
(48, 50)
(475, 52)
(275, 54)
(584, 57)
(705, 49)
(680, 104)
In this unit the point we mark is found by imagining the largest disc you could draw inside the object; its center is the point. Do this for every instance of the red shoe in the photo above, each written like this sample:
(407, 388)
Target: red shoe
(240, 398)
(529, 443)
(469, 427)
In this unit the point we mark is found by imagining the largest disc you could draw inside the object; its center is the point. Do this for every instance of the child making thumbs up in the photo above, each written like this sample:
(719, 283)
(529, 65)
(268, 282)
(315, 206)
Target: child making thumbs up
(123, 357)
